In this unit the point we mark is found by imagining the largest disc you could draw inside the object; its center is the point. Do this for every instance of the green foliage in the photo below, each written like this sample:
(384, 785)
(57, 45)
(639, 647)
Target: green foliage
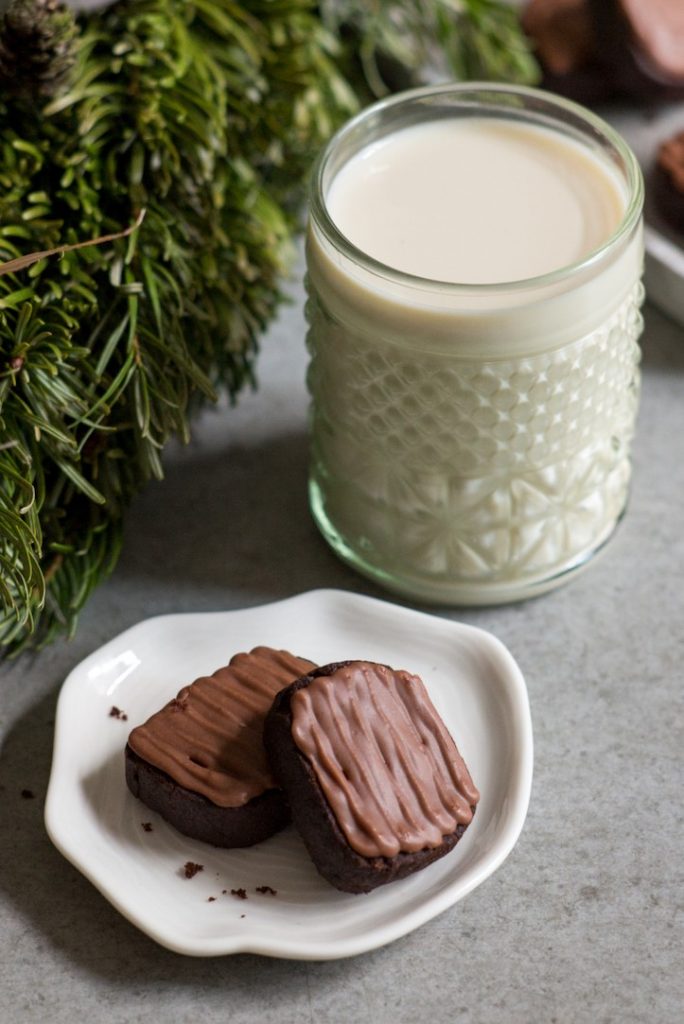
(394, 42)
(172, 107)
(204, 116)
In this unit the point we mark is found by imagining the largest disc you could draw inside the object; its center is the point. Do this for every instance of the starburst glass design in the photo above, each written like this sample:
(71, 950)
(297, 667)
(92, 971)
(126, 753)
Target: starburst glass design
(480, 472)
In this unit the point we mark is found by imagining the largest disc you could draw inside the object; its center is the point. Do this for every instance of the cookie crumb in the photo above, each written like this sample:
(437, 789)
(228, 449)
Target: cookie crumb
(115, 712)
(242, 915)
(240, 894)
(211, 899)
(223, 892)
(190, 869)
(267, 889)
(146, 826)
(28, 794)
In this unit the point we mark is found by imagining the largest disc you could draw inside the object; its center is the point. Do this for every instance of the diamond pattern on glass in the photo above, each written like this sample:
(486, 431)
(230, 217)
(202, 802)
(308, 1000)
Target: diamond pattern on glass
(449, 468)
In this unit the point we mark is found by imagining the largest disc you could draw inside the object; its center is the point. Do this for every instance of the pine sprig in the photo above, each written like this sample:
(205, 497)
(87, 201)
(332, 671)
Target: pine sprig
(399, 44)
(106, 350)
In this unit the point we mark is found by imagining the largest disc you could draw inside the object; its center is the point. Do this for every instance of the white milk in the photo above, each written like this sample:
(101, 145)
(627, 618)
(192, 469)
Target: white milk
(477, 201)
(470, 444)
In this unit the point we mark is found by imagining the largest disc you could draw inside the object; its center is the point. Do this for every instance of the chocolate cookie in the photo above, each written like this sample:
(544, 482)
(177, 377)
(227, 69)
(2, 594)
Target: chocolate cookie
(641, 45)
(376, 785)
(200, 760)
(563, 35)
(592, 50)
(668, 181)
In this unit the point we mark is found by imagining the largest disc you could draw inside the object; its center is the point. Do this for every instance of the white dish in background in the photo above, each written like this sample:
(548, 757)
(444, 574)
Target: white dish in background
(664, 273)
(97, 824)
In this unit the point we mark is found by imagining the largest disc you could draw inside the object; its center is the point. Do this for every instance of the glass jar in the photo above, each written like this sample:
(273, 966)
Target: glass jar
(470, 443)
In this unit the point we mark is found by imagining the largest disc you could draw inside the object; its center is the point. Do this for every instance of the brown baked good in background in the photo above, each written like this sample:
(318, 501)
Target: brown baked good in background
(376, 785)
(667, 181)
(592, 50)
(641, 43)
(200, 760)
(565, 45)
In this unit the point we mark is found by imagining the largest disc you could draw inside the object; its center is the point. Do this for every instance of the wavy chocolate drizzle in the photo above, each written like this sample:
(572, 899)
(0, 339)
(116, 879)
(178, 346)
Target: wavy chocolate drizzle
(209, 737)
(387, 765)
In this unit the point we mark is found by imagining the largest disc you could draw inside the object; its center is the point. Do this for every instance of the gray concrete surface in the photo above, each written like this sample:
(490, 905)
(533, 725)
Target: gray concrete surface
(580, 924)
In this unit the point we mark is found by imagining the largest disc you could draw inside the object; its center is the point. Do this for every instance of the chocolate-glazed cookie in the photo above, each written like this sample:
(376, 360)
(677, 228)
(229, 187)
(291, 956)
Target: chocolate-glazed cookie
(376, 785)
(200, 761)
(592, 50)
(641, 45)
(564, 39)
(668, 181)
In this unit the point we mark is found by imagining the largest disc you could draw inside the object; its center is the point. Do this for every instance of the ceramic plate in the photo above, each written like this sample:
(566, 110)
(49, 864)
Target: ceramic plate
(98, 825)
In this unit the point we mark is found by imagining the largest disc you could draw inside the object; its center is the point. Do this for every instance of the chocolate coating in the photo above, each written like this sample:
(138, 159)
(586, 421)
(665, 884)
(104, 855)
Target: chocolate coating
(667, 181)
(564, 38)
(383, 757)
(200, 760)
(563, 33)
(593, 50)
(641, 45)
(312, 813)
(208, 739)
(656, 29)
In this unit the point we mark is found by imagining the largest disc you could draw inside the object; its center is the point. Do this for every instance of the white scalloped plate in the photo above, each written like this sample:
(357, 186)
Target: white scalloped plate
(97, 824)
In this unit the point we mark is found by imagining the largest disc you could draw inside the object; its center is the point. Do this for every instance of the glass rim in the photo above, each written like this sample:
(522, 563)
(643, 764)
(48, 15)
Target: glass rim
(630, 218)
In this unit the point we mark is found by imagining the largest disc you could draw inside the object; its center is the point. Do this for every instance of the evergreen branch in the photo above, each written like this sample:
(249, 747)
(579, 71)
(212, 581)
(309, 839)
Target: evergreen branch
(104, 353)
(23, 262)
(398, 43)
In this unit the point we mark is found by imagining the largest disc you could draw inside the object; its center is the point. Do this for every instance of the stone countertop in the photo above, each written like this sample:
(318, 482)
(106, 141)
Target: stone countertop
(578, 925)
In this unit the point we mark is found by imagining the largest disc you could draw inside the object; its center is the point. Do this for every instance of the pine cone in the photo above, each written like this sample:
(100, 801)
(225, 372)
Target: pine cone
(36, 47)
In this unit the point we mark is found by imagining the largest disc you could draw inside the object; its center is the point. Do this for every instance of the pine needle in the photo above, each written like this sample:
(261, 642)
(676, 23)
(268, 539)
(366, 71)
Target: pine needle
(23, 262)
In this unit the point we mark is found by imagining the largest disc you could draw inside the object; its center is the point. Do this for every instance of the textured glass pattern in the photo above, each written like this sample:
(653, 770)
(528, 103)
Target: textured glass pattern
(468, 472)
